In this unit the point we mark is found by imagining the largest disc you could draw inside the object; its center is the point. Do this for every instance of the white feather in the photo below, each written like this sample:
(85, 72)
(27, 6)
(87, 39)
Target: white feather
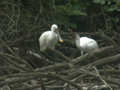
(86, 44)
(49, 39)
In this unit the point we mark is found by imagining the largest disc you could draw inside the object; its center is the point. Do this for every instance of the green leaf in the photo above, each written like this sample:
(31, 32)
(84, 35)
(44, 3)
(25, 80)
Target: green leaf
(77, 12)
(73, 25)
(112, 8)
(118, 9)
(96, 1)
(102, 2)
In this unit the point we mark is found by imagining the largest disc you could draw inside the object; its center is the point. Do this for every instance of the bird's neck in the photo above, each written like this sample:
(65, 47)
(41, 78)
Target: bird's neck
(77, 36)
(77, 39)
(52, 29)
(77, 42)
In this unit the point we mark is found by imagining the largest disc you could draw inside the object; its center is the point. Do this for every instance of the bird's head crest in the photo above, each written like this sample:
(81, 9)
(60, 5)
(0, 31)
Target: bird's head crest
(54, 27)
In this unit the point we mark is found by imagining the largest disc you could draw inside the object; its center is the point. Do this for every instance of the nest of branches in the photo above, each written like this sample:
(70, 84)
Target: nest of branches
(63, 68)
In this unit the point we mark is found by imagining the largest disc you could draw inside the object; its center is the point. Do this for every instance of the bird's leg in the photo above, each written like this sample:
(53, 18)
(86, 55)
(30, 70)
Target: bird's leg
(82, 52)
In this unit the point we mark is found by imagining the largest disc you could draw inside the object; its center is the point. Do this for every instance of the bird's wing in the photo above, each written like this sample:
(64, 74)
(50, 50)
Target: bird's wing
(91, 44)
(43, 40)
(84, 42)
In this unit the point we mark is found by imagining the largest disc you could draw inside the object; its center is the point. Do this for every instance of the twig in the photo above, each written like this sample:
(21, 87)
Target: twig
(106, 60)
(18, 16)
(62, 55)
(107, 38)
(34, 75)
(15, 56)
(100, 77)
(14, 64)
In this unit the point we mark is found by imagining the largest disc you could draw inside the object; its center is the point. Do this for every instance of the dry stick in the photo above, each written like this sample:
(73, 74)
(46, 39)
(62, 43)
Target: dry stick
(113, 81)
(34, 54)
(17, 80)
(86, 73)
(7, 46)
(106, 37)
(33, 85)
(38, 14)
(36, 72)
(5, 87)
(16, 68)
(106, 60)
(73, 79)
(14, 64)
(110, 72)
(50, 82)
(18, 16)
(76, 60)
(65, 80)
(24, 74)
(100, 77)
(11, 19)
(109, 80)
(10, 67)
(48, 57)
(43, 59)
(42, 84)
(68, 60)
(106, 24)
(29, 88)
(34, 75)
(55, 66)
(38, 86)
(5, 55)
(62, 55)
(107, 28)
(18, 58)
(99, 53)
(76, 74)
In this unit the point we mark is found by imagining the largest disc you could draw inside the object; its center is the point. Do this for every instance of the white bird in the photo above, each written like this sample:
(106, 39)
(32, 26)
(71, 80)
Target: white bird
(49, 39)
(85, 44)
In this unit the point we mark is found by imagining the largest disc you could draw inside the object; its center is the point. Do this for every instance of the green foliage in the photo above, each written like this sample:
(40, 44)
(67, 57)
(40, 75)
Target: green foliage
(67, 12)
(109, 5)
(70, 9)
(102, 2)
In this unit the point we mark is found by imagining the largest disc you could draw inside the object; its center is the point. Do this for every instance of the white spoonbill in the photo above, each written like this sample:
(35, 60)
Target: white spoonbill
(49, 39)
(85, 44)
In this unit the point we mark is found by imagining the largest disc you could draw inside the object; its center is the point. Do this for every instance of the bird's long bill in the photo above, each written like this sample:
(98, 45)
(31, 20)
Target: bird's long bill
(59, 37)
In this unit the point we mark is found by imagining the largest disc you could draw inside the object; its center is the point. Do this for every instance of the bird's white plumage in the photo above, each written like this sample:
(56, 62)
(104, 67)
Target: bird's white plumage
(85, 44)
(49, 39)
(54, 27)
